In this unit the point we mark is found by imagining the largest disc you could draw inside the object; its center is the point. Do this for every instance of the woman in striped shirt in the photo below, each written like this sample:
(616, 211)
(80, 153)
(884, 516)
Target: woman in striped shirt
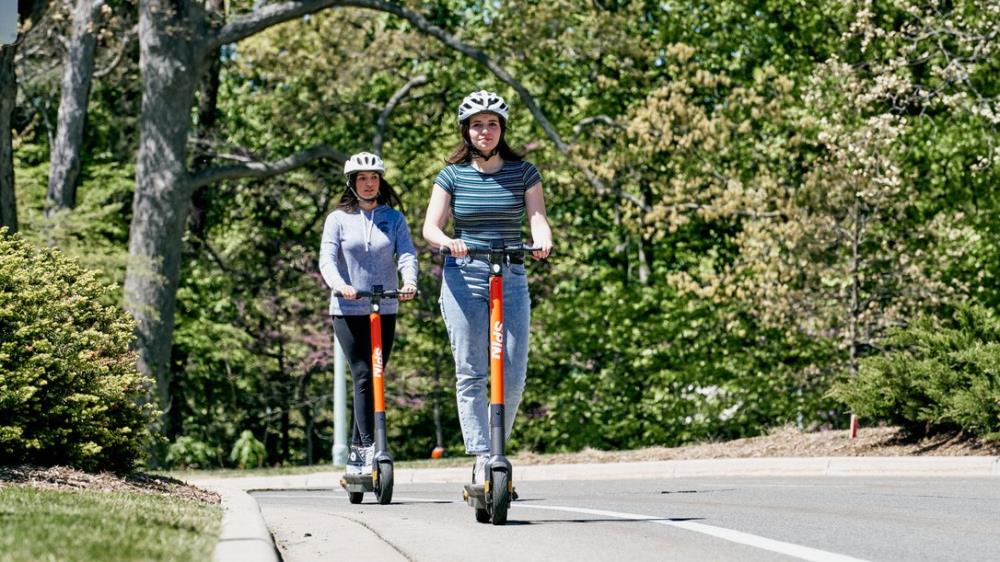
(487, 189)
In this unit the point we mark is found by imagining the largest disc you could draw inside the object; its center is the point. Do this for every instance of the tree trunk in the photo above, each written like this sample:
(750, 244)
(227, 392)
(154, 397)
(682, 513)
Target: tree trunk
(170, 63)
(286, 430)
(208, 111)
(78, 71)
(855, 291)
(8, 95)
(208, 99)
(306, 411)
(27, 10)
(645, 242)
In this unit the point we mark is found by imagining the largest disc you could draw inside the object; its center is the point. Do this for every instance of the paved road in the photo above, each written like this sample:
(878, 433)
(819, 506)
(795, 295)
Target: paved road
(796, 518)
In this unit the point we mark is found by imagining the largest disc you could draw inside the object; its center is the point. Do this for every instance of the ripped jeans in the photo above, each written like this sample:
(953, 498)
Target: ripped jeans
(464, 304)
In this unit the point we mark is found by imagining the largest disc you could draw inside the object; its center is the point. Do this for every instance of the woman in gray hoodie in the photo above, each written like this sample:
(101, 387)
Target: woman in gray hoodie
(366, 242)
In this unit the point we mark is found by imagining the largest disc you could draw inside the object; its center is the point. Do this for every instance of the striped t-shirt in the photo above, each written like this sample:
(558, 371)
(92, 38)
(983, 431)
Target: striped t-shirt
(488, 207)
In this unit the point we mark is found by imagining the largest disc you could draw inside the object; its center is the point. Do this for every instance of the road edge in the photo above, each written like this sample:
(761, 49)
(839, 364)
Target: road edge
(244, 536)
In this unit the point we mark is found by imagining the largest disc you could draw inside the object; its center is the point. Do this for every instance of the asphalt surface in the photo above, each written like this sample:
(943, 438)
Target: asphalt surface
(818, 508)
(734, 518)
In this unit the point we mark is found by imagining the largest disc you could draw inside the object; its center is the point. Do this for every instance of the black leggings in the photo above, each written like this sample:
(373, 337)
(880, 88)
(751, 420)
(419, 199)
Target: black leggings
(354, 333)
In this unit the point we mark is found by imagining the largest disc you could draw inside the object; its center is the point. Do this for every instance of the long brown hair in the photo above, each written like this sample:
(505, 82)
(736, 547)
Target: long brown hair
(386, 195)
(465, 151)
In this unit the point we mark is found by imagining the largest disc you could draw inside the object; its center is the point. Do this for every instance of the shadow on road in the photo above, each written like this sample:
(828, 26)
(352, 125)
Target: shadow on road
(511, 522)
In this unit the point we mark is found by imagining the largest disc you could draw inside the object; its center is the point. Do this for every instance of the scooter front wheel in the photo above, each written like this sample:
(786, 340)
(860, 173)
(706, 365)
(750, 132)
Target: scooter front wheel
(499, 496)
(383, 487)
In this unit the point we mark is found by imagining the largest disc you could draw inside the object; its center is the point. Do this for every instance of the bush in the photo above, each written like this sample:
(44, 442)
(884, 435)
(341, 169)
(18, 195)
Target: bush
(935, 374)
(248, 451)
(69, 389)
(188, 452)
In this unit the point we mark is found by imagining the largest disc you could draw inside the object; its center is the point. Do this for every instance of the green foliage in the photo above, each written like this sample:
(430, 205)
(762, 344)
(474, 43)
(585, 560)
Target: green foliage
(188, 452)
(248, 452)
(617, 364)
(70, 392)
(935, 374)
(95, 232)
(703, 290)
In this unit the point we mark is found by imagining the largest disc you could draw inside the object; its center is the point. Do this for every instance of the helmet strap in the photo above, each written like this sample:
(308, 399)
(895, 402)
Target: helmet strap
(476, 153)
(365, 199)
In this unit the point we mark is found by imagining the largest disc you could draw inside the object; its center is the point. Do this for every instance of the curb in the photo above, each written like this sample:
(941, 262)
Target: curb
(246, 538)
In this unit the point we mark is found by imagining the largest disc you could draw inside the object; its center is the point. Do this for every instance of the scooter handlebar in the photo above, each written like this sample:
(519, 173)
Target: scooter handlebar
(385, 294)
(475, 251)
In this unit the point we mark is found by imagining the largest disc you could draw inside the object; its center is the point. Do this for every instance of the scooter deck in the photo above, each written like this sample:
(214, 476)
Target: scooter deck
(475, 495)
(357, 483)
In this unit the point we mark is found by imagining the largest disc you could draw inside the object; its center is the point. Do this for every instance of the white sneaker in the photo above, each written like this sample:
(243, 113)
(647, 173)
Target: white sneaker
(479, 469)
(369, 458)
(355, 460)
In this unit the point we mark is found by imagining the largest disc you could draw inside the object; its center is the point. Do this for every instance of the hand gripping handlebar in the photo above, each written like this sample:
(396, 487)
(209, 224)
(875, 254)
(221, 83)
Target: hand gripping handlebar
(394, 294)
(506, 251)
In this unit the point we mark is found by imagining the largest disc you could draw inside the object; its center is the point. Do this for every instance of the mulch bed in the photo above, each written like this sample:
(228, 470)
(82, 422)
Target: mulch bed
(791, 442)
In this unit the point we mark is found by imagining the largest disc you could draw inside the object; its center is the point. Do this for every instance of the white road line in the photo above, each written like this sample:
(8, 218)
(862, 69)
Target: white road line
(739, 537)
(789, 549)
(424, 500)
(281, 497)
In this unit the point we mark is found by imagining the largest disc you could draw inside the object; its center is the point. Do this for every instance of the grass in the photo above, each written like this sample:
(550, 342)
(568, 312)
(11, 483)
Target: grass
(104, 527)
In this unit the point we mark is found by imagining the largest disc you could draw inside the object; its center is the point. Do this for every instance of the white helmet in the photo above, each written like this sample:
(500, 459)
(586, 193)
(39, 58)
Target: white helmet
(478, 102)
(364, 162)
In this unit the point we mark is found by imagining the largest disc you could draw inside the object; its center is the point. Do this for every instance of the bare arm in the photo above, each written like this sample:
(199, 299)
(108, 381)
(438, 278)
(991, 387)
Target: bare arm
(541, 232)
(438, 213)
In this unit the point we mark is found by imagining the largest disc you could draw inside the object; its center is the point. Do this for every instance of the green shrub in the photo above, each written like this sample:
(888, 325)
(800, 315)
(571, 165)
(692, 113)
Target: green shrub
(188, 452)
(935, 374)
(248, 451)
(69, 389)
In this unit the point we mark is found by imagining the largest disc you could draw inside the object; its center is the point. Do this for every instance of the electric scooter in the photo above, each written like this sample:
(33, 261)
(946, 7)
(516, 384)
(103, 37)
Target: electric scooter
(380, 480)
(492, 499)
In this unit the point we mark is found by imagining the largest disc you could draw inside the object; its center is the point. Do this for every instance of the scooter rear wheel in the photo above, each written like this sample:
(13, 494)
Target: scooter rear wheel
(355, 497)
(383, 491)
(500, 496)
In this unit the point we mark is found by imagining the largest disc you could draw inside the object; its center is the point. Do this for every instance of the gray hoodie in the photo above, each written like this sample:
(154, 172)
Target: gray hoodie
(360, 249)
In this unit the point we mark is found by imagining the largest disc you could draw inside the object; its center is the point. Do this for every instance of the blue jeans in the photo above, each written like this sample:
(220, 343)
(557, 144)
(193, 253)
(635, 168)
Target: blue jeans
(465, 292)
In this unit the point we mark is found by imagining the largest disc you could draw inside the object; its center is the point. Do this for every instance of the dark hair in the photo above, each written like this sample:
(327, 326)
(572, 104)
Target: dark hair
(465, 152)
(386, 194)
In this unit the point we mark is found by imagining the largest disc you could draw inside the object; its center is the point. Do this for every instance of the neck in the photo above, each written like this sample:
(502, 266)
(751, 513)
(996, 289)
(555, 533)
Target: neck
(367, 205)
(492, 164)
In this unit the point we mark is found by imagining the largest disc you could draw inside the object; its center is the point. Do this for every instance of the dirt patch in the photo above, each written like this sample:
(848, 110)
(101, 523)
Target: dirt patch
(64, 478)
(790, 442)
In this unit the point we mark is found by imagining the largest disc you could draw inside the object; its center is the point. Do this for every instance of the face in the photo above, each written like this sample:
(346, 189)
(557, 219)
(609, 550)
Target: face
(366, 184)
(484, 131)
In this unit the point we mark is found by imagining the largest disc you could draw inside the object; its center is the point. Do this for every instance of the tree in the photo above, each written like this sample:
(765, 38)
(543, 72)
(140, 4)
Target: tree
(78, 71)
(176, 41)
(29, 12)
